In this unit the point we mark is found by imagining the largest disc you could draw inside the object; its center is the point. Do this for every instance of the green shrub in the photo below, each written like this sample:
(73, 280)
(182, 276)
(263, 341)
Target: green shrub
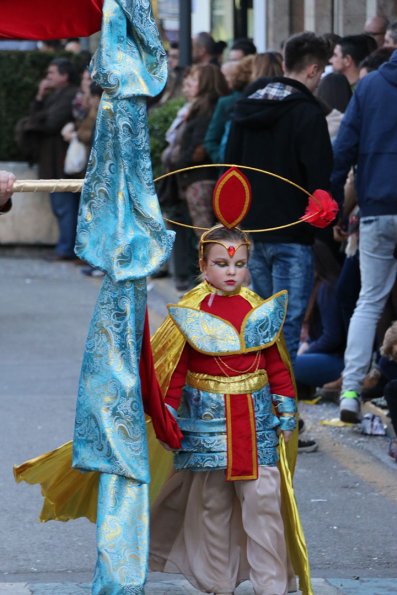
(20, 73)
(160, 119)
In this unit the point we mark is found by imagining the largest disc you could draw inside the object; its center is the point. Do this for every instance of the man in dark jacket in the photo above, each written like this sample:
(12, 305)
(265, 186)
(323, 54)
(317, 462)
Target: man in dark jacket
(368, 138)
(281, 128)
(50, 111)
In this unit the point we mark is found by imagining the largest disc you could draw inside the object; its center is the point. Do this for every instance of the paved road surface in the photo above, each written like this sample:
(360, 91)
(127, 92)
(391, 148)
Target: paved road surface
(347, 491)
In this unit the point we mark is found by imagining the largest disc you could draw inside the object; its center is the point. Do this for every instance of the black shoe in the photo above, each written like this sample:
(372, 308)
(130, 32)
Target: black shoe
(54, 257)
(181, 285)
(161, 274)
(93, 272)
(307, 445)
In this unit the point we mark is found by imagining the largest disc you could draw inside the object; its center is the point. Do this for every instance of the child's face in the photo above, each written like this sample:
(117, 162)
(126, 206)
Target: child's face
(223, 271)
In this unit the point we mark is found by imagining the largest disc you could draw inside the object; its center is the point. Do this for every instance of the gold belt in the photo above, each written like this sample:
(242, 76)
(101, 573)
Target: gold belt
(231, 385)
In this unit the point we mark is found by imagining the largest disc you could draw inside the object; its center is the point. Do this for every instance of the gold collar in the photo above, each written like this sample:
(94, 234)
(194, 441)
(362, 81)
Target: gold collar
(216, 291)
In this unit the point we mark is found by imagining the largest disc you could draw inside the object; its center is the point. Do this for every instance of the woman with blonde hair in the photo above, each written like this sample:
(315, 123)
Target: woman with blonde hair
(268, 64)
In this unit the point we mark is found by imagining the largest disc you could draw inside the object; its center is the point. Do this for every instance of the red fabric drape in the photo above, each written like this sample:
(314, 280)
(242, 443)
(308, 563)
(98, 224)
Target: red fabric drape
(164, 425)
(49, 19)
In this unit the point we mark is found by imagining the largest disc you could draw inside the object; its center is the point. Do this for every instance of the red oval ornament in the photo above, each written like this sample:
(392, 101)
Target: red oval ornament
(232, 198)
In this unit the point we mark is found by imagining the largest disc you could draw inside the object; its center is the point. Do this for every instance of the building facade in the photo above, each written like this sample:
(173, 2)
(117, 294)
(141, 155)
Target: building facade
(270, 22)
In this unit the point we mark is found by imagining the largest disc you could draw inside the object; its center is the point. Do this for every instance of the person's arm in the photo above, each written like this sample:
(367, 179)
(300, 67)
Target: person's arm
(314, 150)
(50, 117)
(193, 137)
(346, 148)
(332, 338)
(178, 379)
(215, 132)
(7, 180)
(282, 389)
(233, 149)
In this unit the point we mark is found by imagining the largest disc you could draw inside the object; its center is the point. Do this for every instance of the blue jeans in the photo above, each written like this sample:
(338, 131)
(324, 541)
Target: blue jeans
(65, 206)
(316, 369)
(348, 288)
(274, 267)
(378, 267)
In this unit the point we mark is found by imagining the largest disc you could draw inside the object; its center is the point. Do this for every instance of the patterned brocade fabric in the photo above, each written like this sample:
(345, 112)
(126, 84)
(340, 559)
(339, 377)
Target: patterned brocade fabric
(212, 335)
(202, 419)
(122, 232)
(110, 434)
(287, 410)
(120, 228)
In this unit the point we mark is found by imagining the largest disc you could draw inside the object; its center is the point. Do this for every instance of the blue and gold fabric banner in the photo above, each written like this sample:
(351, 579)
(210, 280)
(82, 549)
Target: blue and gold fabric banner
(121, 231)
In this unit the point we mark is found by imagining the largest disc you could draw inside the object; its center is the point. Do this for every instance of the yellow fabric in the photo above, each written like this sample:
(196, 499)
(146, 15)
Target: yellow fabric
(233, 385)
(70, 494)
(67, 493)
(295, 538)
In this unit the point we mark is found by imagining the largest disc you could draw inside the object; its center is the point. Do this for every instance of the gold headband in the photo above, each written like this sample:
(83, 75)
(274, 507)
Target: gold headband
(231, 250)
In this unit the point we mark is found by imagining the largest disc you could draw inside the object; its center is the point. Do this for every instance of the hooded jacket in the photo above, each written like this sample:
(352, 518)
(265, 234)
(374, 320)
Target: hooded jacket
(368, 137)
(281, 129)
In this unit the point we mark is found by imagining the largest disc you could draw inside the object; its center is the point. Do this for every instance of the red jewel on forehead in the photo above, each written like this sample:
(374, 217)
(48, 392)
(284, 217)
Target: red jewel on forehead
(231, 250)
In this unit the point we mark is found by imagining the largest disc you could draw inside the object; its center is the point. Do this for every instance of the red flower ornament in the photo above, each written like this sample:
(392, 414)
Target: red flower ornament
(321, 210)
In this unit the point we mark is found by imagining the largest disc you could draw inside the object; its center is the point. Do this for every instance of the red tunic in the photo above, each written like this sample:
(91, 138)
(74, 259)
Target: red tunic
(242, 453)
(232, 309)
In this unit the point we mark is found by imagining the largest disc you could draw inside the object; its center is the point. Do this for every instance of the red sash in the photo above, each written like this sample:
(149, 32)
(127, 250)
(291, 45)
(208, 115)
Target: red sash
(242, 453)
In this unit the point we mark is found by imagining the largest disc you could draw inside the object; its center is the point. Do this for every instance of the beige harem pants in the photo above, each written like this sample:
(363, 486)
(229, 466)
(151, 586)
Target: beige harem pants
(219, 533)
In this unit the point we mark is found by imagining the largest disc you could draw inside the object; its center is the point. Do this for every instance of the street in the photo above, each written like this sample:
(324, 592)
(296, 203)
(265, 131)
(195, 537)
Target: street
(346, 491)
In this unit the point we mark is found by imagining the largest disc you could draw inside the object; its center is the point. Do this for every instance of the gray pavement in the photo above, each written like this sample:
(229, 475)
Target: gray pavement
(347, 491)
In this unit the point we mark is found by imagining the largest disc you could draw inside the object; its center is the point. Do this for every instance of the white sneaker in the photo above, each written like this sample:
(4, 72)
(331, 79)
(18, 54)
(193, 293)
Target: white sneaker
(350, 407)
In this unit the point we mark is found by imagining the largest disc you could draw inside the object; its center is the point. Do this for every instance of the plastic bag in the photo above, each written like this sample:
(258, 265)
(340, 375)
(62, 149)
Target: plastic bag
(372, 425)
(76, 157)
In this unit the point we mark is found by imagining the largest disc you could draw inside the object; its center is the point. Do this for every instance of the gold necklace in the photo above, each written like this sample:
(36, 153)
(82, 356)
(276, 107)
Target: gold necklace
(223, 366)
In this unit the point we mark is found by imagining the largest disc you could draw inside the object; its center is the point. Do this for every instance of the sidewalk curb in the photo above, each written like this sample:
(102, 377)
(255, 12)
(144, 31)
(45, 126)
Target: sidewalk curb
(158, 586)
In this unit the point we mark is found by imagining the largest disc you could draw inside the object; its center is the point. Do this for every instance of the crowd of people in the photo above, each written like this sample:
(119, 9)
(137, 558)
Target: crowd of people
(319, 114)
(58, 132)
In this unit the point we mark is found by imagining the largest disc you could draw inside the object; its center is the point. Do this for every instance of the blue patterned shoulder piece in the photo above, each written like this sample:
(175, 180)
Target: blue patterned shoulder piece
(204, 332)
(211, 335)
(263, 324)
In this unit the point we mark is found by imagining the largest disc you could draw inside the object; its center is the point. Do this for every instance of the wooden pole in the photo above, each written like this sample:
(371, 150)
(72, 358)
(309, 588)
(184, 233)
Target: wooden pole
(48, 185)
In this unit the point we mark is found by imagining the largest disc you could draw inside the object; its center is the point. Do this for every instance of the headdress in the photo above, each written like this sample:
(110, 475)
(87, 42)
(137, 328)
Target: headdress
(232, 199)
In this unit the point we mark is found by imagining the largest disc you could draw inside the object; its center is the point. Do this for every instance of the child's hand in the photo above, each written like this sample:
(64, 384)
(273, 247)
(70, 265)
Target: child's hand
(7, 180)
(287, 435)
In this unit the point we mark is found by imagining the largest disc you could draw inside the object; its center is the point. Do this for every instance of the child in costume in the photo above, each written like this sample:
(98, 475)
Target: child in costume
(228, 513)
(218, 520)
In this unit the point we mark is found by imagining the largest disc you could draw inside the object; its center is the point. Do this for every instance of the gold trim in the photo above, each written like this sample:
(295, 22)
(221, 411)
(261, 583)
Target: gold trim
(244, 210)
(216, 291)
(232, 385)
(303, 219)
(228, 435)
(242, 348)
